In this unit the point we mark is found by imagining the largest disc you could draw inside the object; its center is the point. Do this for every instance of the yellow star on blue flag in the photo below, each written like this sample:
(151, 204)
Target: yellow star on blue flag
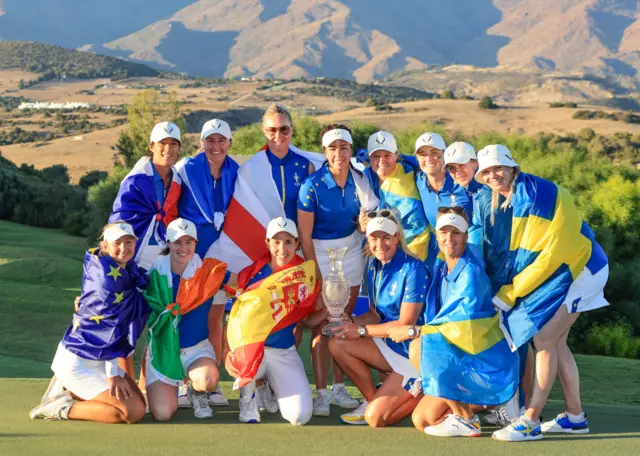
(97, 318)
(114, 272)
(119, 298)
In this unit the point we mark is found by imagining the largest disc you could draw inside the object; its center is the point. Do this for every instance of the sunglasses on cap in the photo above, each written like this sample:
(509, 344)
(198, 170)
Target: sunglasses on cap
(385, 213)
(448, 210)
(285, 130)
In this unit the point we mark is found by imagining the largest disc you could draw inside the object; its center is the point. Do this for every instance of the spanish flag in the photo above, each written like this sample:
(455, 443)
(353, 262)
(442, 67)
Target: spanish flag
(285, 297)
(199, 282)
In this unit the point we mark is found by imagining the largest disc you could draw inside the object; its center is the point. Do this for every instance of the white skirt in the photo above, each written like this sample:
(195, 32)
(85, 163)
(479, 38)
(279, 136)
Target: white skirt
(86, 378)
(402, 366)
(587, 291)
(353, 263)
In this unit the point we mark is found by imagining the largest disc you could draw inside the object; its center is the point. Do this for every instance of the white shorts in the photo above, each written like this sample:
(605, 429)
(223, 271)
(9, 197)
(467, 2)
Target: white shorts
(188, 356)
(284, 371)
(220, 298)
(402, 366)
(587, 291)
(353, 263)
(86, 378)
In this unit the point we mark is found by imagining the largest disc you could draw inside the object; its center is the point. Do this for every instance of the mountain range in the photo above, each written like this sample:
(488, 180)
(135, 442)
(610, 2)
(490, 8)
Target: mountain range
(353, 39)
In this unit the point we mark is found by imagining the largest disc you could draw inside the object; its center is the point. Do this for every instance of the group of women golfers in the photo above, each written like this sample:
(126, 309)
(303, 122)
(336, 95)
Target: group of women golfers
(475, 272)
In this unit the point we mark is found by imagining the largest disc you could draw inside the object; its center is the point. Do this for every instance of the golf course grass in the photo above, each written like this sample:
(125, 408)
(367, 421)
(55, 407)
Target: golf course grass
(40, 273)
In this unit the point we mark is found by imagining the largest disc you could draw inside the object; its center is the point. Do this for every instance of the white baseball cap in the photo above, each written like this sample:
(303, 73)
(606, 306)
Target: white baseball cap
(430, 139)
(213, 126)
(494, 155)
(460, 153)
(181, 227)
(281, 225)
(452, 219)
(165, 130)
(382, 140)
(118, 230)
(385, 224)
(333, 135)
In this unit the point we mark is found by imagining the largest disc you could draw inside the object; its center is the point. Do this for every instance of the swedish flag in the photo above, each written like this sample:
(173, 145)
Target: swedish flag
(550, 246)
(399, 191)
(464, 354)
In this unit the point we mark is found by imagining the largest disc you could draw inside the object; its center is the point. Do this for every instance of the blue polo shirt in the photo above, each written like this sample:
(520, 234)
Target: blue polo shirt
(495, 238)
(207, 233)
(193, 327)
(288, 174)
(466, 282)
(402, 280)
(336, 209)
(161, 193)
(283, 338)
(463, 196)
(433, 199)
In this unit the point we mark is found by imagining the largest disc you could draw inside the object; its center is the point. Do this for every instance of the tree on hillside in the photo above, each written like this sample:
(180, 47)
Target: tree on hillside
(148, 108)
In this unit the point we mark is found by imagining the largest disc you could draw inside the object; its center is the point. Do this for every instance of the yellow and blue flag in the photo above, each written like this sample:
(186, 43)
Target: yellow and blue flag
(550, 246)
(399, 191)
(464, 354)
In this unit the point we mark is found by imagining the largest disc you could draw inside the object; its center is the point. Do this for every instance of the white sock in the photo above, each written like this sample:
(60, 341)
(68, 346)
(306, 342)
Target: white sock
(575, 418)
(337, 385)
(318, 391)
(246, 392)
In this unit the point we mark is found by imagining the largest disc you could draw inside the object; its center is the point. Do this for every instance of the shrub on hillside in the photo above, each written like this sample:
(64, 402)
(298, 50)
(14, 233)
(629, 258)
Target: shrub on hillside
(487, 103)
(92, 178)
(447, 95)
(561, 104)
(613, 340)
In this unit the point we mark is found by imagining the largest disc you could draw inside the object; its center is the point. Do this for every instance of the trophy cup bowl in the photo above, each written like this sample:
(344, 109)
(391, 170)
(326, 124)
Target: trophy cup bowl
(336, 290)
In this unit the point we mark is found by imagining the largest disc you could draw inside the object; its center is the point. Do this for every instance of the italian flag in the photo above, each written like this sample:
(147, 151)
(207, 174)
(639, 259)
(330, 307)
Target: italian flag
(200, 281)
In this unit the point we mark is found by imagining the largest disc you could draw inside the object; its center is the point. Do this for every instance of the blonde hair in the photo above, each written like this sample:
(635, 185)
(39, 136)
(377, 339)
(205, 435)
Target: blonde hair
(102, 243)
(495, 196)
(277, 109)
(402, 242)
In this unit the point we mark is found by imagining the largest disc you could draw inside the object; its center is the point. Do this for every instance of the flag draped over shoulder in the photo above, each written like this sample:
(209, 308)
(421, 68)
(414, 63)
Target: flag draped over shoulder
(112, 311)
(399, 191)
(200, 281)
(197, 202)
(137, 204)
(464, 354)
(283, 298)
(550, 246)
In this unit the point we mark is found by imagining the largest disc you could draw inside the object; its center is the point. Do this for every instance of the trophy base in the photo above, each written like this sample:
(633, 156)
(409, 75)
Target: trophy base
(330, 328)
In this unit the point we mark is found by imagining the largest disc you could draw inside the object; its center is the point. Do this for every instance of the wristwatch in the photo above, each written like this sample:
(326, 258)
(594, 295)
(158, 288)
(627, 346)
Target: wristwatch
(413, 332)
(362, 331)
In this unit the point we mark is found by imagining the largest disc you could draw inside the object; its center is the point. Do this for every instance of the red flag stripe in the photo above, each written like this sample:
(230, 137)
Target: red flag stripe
(245, 231)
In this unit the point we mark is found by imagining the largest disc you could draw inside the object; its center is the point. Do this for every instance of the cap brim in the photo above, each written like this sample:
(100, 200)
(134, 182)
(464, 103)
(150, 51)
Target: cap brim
(444, 167)
(208, 133)
(382, 148)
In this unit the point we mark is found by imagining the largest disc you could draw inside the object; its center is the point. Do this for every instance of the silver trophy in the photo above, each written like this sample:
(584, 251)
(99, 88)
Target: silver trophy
(336, 290)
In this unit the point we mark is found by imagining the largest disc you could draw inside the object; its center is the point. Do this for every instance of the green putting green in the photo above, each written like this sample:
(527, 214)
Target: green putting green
(40, 273)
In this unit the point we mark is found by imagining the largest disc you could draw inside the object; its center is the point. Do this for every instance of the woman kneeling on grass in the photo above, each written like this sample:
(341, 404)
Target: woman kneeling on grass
(281, 365)
(462, 355)
(180, 294)
(397, 284)
(109, 319)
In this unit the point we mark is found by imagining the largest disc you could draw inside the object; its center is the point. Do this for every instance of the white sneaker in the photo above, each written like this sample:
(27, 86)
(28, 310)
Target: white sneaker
(249, 411)
(217, 399)
(520, 430)
(183, 396)
(56, 408)
(340, 397)
(455, 426)
(355, 416)
(54, 389)
(265, 399)
(321, 403)
(562, 424)
(498, 417)
(200, 402)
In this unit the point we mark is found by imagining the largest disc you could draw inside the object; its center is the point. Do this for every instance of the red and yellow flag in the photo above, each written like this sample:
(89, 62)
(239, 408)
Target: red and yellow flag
(283, 298)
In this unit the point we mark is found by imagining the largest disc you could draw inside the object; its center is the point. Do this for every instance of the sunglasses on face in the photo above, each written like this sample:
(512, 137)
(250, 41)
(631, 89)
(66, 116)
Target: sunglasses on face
(284, 130)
